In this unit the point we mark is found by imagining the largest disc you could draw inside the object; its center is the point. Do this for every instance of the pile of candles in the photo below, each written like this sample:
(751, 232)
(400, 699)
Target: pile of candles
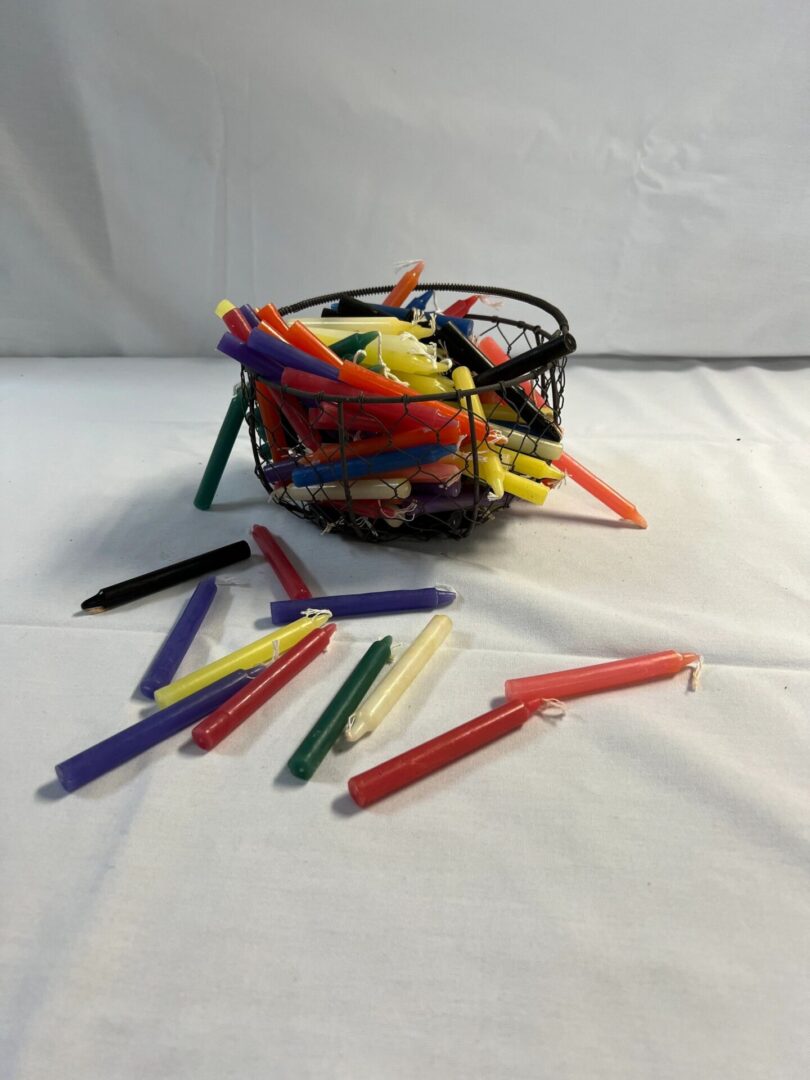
(216, 699)
(392, 414)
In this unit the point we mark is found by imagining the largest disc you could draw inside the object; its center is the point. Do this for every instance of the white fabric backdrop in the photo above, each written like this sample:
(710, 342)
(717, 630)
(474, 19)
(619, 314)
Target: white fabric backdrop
(622, 896)
(643, 164)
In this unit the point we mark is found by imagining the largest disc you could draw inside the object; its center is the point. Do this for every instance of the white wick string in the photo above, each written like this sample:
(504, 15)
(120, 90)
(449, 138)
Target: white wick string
(404, 265)
(311, 612)
(552, 709)
(695, 671)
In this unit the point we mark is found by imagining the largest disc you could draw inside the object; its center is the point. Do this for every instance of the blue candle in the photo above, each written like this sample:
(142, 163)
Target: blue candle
(371, 603)
(233, 347)
(168, 657)
(250, 314)
(419, 303)
(280, 354)
(354, 468)
(127, 744)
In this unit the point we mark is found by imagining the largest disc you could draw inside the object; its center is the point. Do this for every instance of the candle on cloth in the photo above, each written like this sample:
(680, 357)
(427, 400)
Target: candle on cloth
(346, 605)
(601, 491)
(221, 451)
(165, 576)
(291, 581)
(329, 725)
(225, 719)
(170, 654)
(260, 651)
(595, 678)
(403, 672)
(134, 740)
(374, 784)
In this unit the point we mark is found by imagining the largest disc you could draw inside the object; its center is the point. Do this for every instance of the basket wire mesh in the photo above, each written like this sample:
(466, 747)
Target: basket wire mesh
(441, 491)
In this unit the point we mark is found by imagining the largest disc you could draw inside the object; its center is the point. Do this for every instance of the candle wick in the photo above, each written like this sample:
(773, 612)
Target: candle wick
(552, 709)
(695, 671)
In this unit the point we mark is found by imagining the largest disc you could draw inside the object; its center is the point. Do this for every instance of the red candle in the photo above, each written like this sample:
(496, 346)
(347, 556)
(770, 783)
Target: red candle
(419, 436)
(233, 319)
(220, 723)
(600, 490)
(374, 784)
(591, 680)
(291, 581)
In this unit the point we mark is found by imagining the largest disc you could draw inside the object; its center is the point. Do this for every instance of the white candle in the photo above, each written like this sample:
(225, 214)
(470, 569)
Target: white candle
(388, 692)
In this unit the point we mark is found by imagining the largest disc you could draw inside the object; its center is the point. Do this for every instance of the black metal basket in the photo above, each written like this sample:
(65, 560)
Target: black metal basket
(438, 499)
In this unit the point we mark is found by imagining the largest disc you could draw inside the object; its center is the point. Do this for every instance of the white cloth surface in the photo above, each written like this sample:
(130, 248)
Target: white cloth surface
(617, 896)
(641, 164)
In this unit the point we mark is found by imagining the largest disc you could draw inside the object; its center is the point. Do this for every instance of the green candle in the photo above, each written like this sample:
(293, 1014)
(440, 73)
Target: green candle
(220, 453)
(348, 346)
(326, 731)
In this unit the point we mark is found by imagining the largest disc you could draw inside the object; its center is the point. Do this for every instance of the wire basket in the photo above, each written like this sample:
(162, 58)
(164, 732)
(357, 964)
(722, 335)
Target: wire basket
(444, 496)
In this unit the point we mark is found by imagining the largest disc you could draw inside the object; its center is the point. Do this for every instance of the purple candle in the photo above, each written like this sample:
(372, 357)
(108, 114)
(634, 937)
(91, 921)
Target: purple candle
(233, 347)
(168, 657)
(280, 354)
(371, 603)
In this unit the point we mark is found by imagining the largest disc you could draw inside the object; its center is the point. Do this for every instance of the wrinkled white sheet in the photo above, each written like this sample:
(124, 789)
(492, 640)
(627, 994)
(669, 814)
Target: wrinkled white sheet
(641, 164)
(619, 896)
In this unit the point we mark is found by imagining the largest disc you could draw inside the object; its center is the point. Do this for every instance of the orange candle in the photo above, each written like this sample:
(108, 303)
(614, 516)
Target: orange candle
(269, 314)
(597, 677)
(399, 440)
(302, 337)
(600, 490)
(405, 286)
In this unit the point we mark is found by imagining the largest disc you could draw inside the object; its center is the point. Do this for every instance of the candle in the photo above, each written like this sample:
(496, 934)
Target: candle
(354, 308)
(358, 467)
(378, 324)
(523, 488)
(601, 491)
(327, 729)
(345, 346)
(250, 315)
(524, 443)
(531, 360)
(269, 347)
(427, 384)
(280, 472)
(489, 466)
(460, 308)
(260, 651)
(387, 693)
(134, 740)
(447, 504)
(405, 286)
(494, 352)
(398, 440)
(420, 303)
(395, 487)
(223, 445)
(267, 399)
(466, 353)
(374, 784)
(597, 677)
(530, 466)
(170, 654)
(291, 581)
(233, 318)
(269, 314)
(165, 576)
(225, 719)
(304, 339)
(347, 605)
(249, 358)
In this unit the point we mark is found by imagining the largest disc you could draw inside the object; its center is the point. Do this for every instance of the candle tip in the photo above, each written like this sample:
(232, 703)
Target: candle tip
(223, 307)
(690, 658)
(637, 519)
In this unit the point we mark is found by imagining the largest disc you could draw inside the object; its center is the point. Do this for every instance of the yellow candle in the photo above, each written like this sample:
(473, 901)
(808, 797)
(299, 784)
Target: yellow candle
(489, 466)
(426, 384)
(258, 652)
(529, 466)
(383, 324)
(524, 488)
(524, 443)
(403, 672)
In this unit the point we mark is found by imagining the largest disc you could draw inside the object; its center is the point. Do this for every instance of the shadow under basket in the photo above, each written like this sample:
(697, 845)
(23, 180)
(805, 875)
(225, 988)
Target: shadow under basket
(428, 493)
